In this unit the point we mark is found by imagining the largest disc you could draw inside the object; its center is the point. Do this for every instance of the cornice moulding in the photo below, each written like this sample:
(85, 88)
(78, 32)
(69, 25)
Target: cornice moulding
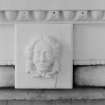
(52, 16)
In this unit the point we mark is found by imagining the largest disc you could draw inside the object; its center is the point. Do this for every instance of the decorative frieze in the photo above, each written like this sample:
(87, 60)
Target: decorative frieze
(23, 15)
(52, 15)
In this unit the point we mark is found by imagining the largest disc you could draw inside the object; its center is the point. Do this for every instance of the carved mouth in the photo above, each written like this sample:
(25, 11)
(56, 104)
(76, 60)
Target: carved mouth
(43, 67)
(44, 64)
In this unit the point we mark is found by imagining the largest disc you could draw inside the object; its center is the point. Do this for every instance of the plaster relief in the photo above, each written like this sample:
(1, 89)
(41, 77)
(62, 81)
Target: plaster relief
(39, 15)
(68, 15)
(42, 57)
(54, 15)
(97, 15)
(81, 15)
(23, 15)
(10, 15)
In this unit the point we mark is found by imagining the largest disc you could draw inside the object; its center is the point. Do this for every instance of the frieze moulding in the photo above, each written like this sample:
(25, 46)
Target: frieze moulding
(52, 16)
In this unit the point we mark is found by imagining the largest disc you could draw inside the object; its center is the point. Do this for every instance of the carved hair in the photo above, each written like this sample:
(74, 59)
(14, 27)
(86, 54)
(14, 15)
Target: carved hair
(52, 42)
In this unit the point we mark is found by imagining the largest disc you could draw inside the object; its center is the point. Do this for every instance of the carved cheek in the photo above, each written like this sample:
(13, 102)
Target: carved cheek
(36, 58)
(48, 56)
(50, 60)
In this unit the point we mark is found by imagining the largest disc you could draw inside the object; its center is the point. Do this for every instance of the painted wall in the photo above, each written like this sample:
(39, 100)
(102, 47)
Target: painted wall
(52, 4)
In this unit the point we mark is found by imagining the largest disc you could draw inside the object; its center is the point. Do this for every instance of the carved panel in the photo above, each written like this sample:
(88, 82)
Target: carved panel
(43, 56)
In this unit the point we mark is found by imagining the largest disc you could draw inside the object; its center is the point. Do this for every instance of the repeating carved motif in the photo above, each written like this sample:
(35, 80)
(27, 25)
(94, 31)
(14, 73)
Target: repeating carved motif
(23, 15)
(97, 15)
(81, 15)
(68, 15)
(52, 15)
(2, 16)
(39, 15)
(10, 15)
(42, 57)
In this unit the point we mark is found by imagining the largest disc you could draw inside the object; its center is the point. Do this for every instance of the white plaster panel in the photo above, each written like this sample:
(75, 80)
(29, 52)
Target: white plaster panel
(24, 34)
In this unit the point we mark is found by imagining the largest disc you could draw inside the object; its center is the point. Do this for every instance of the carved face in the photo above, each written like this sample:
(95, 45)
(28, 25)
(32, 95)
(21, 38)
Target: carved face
(43, 56)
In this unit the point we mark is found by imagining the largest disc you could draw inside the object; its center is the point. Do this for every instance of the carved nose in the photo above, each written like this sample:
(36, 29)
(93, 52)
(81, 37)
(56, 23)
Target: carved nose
(42, 57)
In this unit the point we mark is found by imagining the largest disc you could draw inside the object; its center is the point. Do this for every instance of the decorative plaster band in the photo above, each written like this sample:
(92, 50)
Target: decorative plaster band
(52, 16)
(89, 62)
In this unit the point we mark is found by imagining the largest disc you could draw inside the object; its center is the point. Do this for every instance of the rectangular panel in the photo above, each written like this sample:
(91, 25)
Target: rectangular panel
(51, 4)
(6, 44)
(89, 44)
(47, 47)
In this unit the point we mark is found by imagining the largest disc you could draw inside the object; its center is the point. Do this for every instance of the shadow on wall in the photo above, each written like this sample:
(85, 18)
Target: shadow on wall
(83, 76)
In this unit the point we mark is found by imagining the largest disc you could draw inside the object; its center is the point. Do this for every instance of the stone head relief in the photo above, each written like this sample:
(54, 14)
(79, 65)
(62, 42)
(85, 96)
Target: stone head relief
(43, 57)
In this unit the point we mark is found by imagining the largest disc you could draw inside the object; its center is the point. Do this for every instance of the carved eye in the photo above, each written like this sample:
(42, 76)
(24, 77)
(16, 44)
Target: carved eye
(48, 55)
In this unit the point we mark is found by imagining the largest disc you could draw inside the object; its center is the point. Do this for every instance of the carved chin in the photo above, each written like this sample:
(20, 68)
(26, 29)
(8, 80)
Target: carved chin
(42, 68)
